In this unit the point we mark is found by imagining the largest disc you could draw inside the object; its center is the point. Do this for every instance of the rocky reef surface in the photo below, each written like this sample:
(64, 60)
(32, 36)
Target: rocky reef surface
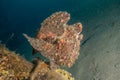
(15, 67)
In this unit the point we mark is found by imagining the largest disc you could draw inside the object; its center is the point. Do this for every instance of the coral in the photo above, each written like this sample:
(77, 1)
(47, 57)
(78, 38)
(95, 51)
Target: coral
(67, 75)
(57, 40)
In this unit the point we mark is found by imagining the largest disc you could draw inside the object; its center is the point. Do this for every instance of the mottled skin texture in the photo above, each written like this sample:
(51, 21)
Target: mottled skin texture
(53, 25)
(57, 40)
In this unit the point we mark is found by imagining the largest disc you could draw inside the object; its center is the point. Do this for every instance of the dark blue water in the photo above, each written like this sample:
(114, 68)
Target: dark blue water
(25, 16)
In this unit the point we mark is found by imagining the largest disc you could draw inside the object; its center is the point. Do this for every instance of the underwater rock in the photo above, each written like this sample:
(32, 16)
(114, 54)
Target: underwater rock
(15, 67)
(57, 40)
(43, 72)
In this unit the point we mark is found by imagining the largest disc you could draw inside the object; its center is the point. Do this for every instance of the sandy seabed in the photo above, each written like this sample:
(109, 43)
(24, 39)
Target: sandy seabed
(100, 50)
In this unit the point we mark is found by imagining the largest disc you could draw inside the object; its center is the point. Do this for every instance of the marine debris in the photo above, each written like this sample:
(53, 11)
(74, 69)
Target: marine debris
(57, 40)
